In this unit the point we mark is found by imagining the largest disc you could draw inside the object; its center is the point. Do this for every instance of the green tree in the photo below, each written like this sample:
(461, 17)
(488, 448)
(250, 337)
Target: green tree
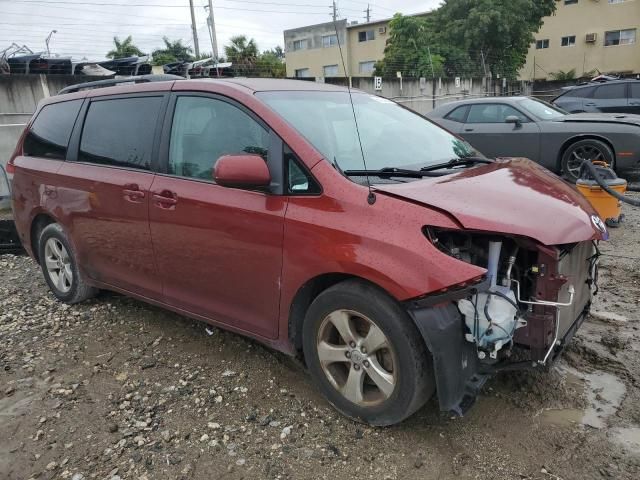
(270, 63)
(124, 48)
(243, 53)
(562, 75)
(173, 51)
(470, 37)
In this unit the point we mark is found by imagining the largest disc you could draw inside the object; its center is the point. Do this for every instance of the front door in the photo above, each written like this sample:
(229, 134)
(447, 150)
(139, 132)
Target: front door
(218, 249)
(104, 192)
(487, 130)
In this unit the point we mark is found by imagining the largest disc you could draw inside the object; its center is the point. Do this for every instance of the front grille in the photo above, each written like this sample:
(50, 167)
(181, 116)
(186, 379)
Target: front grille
(576, 266)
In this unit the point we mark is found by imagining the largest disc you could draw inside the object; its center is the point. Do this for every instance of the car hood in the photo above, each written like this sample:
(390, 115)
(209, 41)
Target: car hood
(601, 118)
(513, 196)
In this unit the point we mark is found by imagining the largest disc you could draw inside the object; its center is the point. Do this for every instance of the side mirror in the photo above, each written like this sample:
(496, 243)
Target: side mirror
(513, 119)
(243, 170)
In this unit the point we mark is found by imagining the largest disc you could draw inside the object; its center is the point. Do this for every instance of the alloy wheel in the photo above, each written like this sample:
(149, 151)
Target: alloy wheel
(357, 358)
(58, 265)
(584, 152)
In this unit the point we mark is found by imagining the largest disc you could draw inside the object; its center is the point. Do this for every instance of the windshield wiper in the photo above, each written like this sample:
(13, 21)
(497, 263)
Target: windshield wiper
(456, 162)
(392, 172)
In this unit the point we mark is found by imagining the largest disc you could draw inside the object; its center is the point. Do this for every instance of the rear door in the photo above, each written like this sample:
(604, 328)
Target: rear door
(634, 97)
(218, 249)
(104, 190)
(608, 99)
(486, 129)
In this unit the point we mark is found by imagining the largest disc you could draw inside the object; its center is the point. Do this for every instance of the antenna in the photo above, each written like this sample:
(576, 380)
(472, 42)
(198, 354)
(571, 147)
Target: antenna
(371, 198)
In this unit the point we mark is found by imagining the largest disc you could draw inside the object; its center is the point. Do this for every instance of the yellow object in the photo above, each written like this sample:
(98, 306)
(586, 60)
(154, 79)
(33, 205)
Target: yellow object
(608, 207)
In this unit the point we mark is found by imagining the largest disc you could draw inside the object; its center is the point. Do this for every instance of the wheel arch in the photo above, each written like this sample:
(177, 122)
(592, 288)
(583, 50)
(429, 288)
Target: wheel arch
(576, 138)
(305, 296)
(39, 222)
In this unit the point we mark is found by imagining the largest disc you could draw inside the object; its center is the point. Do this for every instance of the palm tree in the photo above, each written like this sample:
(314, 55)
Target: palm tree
(124, 49)
(242, 52)
(173, 51)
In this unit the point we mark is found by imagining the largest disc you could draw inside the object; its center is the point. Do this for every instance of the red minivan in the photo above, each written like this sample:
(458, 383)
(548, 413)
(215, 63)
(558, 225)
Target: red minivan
(333, 225)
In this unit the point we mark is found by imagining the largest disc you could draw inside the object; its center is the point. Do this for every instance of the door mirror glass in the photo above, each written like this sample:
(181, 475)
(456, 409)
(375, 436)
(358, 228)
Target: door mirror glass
(243, 171)
(513, 119)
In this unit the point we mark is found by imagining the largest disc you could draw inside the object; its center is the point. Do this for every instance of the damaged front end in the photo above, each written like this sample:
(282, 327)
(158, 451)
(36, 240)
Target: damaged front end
(521, 315)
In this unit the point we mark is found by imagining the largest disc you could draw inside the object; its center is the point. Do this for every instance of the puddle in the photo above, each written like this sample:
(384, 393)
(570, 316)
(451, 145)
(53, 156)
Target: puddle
(604, 393)
(628, 438)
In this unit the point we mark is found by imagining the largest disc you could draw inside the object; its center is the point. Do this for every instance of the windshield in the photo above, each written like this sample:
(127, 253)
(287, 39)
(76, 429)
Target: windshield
(542, 110)
(391, 136)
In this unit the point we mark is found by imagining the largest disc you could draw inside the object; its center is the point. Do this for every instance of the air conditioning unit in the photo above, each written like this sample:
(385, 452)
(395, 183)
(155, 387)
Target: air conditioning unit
(591, 37)
(382, 30)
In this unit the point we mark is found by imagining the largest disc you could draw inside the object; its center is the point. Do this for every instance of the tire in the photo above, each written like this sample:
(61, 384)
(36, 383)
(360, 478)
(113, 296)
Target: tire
(590, 149)
(60, 268)
(394, 377)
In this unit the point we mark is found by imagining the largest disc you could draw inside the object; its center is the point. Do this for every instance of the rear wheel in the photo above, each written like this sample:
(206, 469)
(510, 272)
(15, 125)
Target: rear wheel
(59, 266)
(589, 149)
(365, 354)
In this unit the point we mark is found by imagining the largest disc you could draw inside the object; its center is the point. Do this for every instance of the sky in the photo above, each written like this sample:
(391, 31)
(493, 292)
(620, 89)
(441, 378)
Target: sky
(85, 28)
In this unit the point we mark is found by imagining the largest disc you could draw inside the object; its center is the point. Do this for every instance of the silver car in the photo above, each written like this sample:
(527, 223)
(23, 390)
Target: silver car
(526, 127)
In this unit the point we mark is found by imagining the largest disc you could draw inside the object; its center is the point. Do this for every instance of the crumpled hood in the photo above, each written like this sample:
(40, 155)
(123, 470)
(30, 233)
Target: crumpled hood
(512, 196)
(628, 118)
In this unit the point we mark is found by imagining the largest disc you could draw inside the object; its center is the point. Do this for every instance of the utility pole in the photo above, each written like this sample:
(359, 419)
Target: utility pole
(196, 48)
(335, 11)
(212, 26)
(368, 12)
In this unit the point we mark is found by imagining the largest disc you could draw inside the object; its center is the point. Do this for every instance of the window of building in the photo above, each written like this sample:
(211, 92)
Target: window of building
(300, 44)
(493, 113)
(204, 129)
(49, 134)
(609, 92)
(367, 67)
(540, 44)
(617, 1)
(330, 70)
(570, 2)
(620, 37)
(329, 40)
(569, 41)
(366, 35)
(120, 132)
(302, 72)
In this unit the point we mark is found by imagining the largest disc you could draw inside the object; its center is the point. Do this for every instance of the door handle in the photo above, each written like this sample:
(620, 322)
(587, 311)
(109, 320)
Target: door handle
(165, 199)
(133, 193)
(590, 104)
(468, 129)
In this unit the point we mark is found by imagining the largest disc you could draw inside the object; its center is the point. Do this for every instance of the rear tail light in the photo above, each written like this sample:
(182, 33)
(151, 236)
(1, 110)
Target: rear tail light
(11, 167)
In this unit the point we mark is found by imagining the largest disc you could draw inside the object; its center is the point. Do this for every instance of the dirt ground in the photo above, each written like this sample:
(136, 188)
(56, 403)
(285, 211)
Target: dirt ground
(116, 389)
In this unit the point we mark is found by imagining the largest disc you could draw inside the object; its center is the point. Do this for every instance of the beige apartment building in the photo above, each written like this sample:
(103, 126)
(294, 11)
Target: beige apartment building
(313, 51)
(586, 35)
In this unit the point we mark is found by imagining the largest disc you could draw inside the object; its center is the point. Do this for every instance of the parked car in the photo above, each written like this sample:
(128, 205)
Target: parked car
(246, 203)
(531, 128)
(613, 96)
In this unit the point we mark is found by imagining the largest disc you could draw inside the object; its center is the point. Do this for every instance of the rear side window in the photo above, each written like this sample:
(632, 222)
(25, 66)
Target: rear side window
(635, 91)
(49, 134)
(120, 132)
(458, 115)
(607, 92)
(579, 93)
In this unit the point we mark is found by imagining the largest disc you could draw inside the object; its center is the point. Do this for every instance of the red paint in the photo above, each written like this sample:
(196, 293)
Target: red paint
(242, 171)
(236, 257)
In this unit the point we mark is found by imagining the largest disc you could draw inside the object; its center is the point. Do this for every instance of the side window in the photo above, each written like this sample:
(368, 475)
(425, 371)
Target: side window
(204, 129)
(458, 115)
(49, 134)
(493, 113)
(608, 92)
(298, 180)
(580, 93)
(635, 91)
(120, 132)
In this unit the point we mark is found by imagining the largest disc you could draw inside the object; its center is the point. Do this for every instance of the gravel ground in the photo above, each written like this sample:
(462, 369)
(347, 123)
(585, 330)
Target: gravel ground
(114, 388)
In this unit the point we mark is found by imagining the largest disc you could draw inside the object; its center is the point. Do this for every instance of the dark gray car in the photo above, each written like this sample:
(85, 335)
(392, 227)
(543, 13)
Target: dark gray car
(615, 96)
(526, 127)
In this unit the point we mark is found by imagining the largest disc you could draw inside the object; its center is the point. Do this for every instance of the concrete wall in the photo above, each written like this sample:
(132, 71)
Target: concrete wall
(578, 19)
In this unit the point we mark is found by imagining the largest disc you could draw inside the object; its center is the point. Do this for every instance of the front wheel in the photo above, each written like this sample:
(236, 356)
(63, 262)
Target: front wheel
(366, 355)
(589, 149)
(59, 266)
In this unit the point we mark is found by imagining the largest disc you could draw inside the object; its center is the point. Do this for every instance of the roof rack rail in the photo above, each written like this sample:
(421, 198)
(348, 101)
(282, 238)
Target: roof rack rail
(115, 81)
